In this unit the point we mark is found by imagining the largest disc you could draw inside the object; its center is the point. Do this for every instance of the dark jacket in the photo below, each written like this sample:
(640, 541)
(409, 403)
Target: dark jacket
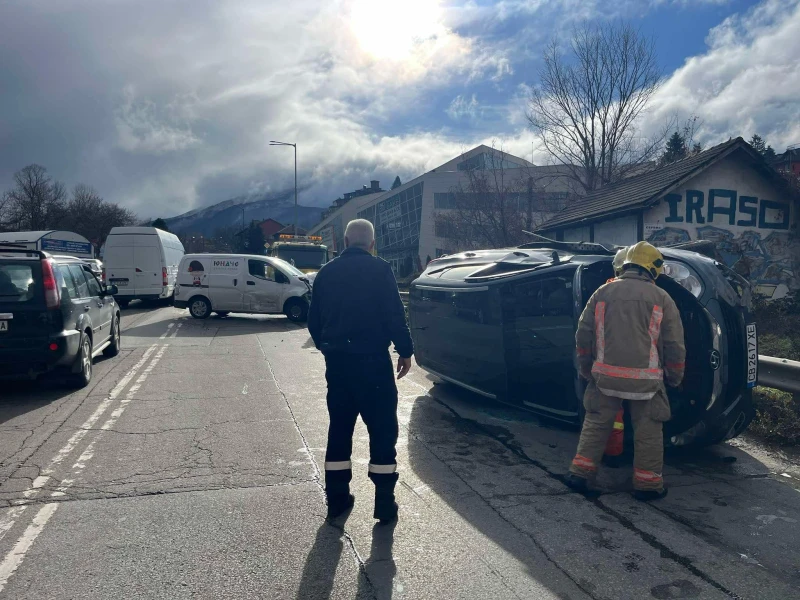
(356, 308)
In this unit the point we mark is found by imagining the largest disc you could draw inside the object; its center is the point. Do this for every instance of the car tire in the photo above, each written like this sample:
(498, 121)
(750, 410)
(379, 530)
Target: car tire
(116, 339)
(200, 307)
(84, 363)
(296, 310)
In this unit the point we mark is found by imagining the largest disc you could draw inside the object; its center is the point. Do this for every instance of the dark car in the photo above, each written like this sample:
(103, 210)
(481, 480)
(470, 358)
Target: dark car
(54, 316)
(502, 324)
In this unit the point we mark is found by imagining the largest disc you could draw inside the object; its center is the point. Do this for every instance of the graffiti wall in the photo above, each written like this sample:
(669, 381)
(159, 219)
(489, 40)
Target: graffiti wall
(751, 222)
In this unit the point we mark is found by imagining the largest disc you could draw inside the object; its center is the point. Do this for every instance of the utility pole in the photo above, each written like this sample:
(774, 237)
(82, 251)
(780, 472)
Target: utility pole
(274, 143)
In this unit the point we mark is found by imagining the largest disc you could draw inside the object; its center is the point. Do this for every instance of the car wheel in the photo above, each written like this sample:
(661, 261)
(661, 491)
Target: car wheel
(199, 307)
(296, 310)
(83, 363)
(116, 340)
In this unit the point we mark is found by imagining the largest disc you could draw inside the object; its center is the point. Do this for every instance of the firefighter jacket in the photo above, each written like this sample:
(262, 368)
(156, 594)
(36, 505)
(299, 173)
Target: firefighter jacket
(630, 338)
(356, 307)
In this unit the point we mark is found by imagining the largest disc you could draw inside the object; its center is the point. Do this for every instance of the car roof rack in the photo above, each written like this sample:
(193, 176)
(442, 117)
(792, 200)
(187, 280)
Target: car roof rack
(6, 247)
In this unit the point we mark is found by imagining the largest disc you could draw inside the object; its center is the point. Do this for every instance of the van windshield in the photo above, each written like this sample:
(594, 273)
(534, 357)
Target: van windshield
(287, 268)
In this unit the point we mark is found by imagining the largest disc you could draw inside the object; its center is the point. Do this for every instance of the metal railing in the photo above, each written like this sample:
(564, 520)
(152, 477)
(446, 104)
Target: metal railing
(779, 373)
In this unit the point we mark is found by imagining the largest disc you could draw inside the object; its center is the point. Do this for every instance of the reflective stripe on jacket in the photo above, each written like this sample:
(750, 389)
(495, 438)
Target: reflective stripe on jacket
(630, 337)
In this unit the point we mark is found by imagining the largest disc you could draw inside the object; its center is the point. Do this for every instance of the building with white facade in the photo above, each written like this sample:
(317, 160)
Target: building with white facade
(405, 217)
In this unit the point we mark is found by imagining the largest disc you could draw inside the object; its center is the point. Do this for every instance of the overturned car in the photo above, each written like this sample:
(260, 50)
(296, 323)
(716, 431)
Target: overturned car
(501, 323)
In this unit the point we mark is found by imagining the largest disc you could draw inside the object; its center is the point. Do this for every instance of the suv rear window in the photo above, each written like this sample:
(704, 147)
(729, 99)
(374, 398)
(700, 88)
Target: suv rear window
(17, 282)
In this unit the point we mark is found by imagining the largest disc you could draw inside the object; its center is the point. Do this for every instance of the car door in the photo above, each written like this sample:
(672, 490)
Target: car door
(539, 340)
(83, 301)
(226, 283)
(262, 292)
(104, 304)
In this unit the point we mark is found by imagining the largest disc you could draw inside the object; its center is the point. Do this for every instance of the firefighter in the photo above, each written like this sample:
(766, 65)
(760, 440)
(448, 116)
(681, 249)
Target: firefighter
(629, 342)
(355, 314)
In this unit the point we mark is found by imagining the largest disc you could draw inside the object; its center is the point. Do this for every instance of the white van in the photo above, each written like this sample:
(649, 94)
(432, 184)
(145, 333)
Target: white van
(142, 262)
(242, 283)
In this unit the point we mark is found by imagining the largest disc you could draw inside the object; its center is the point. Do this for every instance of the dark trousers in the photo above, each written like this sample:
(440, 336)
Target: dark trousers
(360, 385)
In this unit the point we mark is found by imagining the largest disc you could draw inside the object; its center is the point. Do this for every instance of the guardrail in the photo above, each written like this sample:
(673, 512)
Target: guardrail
(779, 373)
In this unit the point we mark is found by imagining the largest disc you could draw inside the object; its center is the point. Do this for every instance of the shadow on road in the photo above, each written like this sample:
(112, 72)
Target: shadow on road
(720, 496)
(377, 579)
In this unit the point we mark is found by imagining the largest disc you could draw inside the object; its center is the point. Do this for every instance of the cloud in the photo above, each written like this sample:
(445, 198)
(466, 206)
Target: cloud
(747, 82)
(143, 126)
(463, 108)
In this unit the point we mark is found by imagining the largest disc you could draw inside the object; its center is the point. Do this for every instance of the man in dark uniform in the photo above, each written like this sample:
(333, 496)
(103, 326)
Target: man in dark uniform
(356, 313)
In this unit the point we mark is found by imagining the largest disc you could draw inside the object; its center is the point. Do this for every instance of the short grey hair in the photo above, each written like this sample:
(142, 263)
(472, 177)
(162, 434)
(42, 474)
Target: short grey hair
(360, 234)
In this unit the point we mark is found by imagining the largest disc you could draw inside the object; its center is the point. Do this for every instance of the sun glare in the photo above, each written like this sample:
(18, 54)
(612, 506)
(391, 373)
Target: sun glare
(389, 29)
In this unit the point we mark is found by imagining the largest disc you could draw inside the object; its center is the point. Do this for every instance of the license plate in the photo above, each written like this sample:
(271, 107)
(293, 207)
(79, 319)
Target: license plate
(3, 326)
(119, 282)
(752, 355)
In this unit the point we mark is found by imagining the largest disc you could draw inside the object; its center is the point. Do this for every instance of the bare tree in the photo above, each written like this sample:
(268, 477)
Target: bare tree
(495, 205)
(36, 202)
(587, 107)
(92, 217)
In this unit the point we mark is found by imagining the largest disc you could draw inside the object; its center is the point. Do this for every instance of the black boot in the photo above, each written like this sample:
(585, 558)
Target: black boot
(577, 483)
(647, 495)
(338, 505)
(385, 505)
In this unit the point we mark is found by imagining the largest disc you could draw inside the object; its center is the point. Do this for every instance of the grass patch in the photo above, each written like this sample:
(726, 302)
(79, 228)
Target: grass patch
(777, 417)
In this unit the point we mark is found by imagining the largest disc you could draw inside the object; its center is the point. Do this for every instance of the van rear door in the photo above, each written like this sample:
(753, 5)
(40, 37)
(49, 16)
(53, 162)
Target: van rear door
(119, 264)
(148, 262)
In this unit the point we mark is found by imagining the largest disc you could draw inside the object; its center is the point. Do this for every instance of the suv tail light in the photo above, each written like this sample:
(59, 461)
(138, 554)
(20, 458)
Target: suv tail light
(164, 282)
(103, 275)
(52, 294)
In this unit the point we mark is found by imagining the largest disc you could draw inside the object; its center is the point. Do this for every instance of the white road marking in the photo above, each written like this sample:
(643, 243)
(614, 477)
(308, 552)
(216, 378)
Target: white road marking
(16, 555)
(175, 333)
(169, 326)
(8, 521)
(244, 390)
(14, 558)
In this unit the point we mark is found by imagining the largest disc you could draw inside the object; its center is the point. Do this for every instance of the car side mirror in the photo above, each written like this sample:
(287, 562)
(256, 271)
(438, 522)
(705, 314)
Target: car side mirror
(111, 290)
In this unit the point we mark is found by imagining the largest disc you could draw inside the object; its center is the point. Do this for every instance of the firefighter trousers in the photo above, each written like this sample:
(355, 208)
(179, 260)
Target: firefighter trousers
(647, 416)
(360, 385)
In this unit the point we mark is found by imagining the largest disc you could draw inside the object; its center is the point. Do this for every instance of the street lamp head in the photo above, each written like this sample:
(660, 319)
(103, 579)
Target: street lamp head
(274, 143)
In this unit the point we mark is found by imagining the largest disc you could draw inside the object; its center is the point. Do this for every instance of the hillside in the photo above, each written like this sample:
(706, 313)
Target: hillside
(228, 213)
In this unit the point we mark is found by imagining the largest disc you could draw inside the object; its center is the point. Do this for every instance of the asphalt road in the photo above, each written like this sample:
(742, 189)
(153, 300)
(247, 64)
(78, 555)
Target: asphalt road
(190, 468)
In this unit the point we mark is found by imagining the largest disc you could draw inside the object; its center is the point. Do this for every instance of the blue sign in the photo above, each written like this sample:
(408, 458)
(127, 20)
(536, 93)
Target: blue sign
(66, 246)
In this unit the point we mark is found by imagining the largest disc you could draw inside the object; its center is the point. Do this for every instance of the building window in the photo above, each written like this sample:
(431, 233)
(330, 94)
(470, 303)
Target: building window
(444, 200)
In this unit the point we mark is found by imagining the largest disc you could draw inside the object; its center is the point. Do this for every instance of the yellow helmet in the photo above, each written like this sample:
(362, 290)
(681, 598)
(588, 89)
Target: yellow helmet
(646, 256)
(619, 260)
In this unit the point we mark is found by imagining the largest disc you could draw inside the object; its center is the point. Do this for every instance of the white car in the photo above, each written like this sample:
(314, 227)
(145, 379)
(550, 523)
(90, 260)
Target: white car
(241, 283)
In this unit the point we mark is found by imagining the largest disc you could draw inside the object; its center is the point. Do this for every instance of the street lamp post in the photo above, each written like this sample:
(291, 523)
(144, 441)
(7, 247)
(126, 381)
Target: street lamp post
(274, 143)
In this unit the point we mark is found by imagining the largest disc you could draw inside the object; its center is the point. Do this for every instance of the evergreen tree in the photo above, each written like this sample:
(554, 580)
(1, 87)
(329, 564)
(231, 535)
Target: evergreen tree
(675, 149)
(160, 224)
(397, 183)
(255, 239)
(769, 153)
(758, 144)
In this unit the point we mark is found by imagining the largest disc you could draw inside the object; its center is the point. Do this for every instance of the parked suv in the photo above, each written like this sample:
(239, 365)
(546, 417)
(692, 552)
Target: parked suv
(54, 316)
(502, 324)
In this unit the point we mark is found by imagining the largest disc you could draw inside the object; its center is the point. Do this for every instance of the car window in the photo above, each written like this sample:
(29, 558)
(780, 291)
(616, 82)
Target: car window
(68, 289)
(286, 267)
(95, 289)
(81, 286)
(261, 269)
(16, 283)
(543, 297)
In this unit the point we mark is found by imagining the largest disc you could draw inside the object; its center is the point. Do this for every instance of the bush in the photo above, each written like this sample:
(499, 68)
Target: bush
(777, 417)
(778, 326)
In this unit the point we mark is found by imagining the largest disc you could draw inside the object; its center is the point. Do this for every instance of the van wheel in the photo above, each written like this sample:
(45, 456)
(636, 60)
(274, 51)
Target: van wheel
(296, 310)
(116, 340)
(84, 363)
(199, 307)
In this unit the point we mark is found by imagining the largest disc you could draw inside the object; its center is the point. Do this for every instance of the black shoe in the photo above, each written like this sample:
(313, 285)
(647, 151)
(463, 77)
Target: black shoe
(577, 483)
(339, 505)
(386, 512)
(647, 495)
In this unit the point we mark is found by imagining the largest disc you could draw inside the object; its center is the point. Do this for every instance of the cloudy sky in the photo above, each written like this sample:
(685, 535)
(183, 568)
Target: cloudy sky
(169, 105)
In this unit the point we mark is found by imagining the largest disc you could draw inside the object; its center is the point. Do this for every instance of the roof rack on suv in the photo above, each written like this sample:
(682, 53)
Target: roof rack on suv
(19, 249)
